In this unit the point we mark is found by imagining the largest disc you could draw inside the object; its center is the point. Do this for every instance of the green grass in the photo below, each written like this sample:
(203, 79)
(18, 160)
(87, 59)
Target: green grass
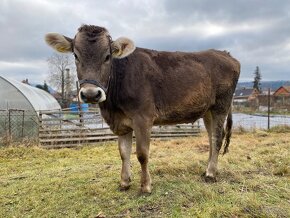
(253, 180)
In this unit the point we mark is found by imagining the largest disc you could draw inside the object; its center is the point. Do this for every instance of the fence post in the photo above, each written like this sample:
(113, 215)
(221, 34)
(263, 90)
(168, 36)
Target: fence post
(9, 123)
(40, 120)
(22, 130)
(60, 120)
(79, 105)
(39, 125)
(269, 104)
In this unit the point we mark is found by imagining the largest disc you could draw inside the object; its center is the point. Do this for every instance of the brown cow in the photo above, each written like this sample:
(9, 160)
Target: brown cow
(137, 88)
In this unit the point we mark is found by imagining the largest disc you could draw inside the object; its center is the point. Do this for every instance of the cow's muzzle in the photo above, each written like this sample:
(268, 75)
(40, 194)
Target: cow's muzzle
(92, 95)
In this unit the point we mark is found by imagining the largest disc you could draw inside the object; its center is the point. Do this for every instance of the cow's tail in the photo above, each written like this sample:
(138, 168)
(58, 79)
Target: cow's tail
(228, 131)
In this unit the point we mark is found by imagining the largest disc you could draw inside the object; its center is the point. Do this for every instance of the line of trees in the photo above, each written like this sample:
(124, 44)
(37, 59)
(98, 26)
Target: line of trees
(43, 87)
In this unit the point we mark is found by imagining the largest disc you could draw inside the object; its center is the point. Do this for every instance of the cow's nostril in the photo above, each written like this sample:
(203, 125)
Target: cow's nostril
(98, 95)
(83, 97)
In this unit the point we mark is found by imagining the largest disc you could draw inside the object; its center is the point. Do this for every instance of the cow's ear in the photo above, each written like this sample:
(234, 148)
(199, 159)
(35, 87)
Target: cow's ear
(122, 47)
(59, 42)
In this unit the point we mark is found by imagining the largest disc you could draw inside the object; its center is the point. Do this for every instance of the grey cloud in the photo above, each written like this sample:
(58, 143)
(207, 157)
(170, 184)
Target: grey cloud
(24, 24)
(227, 10)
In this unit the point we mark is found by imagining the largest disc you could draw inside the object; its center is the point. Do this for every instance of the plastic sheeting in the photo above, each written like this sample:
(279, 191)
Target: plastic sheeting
(17, 95)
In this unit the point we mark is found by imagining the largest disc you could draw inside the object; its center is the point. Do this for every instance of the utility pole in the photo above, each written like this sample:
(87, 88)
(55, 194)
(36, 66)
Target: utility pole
(67, 84)
(269, 107)
(79, 105)
(62, 87)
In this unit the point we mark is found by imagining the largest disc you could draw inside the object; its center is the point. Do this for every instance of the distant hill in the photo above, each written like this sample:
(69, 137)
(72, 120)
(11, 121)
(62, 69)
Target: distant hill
(273, 85)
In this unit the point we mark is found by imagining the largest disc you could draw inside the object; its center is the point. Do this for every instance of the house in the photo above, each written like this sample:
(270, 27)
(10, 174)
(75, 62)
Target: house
(282, 97)
(282, 91)
(246, 97)
(245, 94)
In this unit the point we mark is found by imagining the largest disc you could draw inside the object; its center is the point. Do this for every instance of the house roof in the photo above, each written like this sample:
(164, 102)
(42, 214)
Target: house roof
(243, 92)
(287, 88)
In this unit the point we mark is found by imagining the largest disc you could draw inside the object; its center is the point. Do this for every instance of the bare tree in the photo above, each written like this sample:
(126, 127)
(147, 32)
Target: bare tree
(61, 68)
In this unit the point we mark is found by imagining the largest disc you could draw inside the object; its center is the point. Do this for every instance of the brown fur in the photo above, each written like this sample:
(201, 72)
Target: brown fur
(169, 87)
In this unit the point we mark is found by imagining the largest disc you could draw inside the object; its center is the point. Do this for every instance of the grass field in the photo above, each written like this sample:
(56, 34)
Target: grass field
(253, 180)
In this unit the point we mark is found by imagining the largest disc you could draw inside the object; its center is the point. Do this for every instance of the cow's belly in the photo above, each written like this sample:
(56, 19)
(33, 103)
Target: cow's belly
(189, 115)
(177, 119)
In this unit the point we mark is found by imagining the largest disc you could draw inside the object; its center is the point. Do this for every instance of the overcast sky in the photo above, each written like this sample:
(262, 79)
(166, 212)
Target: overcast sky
(256, 32)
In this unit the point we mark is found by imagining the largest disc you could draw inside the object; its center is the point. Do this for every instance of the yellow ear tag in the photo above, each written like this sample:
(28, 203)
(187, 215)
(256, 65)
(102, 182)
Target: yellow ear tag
(61, 49)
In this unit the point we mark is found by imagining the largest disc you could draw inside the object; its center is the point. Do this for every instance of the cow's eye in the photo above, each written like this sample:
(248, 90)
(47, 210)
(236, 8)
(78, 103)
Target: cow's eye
(107, 58)
(76, 57)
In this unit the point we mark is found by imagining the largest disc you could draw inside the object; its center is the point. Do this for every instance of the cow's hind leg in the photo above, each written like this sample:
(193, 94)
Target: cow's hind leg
(142, 131)
(125, 148)
(216, 144)
(207, 119)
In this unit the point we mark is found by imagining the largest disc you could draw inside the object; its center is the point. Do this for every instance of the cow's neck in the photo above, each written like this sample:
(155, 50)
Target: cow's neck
(110, 109)
(117, 76)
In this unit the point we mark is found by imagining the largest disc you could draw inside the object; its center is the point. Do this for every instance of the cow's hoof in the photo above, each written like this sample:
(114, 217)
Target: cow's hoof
(125, 184)
(124, 188)
(210, 179)
(146, 190)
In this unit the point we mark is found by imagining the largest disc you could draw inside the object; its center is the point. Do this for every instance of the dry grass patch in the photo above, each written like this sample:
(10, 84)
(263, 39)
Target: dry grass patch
(253, 180)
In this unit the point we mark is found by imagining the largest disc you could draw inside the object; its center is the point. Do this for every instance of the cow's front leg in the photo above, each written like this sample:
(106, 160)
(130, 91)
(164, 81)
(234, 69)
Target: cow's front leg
(125, 148)
(142, 134)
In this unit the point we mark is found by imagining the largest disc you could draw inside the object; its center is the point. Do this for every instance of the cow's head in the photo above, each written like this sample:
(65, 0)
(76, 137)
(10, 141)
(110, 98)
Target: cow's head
(93, 50)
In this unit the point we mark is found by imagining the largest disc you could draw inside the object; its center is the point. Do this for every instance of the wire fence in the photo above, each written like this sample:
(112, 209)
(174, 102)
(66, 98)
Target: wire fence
(259, 121)
(67, 119)
(251, 122)
(16, 125)
(261, 112)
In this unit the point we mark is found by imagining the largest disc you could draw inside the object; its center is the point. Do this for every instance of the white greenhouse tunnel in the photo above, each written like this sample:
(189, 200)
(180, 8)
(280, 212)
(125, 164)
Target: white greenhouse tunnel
(20, 96)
